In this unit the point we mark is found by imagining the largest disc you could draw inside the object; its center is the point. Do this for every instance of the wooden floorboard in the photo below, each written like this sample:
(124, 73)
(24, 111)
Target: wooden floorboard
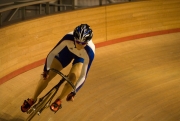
(134, 80)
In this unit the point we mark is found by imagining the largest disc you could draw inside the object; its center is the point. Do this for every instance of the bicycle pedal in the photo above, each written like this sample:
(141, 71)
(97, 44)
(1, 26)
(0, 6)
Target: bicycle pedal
(38, 113)
(47, 105)
(30, 110)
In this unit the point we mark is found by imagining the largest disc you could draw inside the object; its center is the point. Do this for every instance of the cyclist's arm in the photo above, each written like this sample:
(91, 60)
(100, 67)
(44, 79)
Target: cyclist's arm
(90, 49)
(82, 77)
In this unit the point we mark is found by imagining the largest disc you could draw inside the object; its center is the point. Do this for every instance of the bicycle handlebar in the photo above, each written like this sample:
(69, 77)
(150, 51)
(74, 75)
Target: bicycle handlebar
(65, 77)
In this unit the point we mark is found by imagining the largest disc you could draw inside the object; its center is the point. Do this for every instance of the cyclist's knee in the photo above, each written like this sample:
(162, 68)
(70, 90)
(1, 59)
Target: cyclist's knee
(73, 77)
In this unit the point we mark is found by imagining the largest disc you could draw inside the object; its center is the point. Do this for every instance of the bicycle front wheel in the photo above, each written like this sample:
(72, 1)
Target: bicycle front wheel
(41, 105)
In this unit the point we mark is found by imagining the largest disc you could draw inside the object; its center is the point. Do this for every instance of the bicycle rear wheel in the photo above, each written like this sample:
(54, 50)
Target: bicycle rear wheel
(41, 105)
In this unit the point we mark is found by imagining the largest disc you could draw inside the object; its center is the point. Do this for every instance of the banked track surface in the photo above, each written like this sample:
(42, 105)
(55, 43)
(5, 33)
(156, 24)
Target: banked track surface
(129, 81)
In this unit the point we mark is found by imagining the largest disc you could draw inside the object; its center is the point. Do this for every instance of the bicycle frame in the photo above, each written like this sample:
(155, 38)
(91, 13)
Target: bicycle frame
(45, 101)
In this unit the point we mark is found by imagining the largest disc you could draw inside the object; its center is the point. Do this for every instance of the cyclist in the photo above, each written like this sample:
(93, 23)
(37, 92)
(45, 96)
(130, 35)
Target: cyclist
(76, 46)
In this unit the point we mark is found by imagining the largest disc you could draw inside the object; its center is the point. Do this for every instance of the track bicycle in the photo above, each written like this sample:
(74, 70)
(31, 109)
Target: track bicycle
(45, 101)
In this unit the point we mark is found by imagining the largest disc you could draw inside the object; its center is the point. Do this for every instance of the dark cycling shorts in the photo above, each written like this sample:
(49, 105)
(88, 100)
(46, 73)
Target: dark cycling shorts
(65, 57)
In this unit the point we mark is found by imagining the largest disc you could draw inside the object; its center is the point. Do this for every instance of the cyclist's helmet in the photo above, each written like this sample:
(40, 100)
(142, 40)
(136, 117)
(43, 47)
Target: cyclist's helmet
(83, 33)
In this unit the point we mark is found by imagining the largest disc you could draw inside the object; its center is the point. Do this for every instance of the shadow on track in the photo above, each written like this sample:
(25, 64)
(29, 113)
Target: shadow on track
(7, 117)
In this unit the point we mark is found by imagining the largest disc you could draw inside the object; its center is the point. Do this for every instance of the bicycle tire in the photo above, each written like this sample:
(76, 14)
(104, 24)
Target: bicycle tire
(41, 105)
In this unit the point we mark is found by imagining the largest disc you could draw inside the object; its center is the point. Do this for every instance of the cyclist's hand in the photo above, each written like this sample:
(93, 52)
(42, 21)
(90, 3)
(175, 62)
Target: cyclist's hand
(45, 74)
(70, 97)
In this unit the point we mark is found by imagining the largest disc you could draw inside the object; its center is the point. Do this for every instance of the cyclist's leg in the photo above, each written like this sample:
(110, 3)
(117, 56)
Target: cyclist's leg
(43, 83)
(73, 76)
(41, 86)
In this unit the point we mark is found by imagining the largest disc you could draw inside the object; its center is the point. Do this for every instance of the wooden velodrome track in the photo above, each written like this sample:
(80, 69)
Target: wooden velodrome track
(135, 80)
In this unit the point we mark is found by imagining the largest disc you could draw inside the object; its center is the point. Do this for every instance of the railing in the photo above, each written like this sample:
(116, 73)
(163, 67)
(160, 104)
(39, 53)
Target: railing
(21, 6)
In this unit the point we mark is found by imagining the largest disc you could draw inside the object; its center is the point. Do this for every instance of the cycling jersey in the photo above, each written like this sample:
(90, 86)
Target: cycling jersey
(65, 51)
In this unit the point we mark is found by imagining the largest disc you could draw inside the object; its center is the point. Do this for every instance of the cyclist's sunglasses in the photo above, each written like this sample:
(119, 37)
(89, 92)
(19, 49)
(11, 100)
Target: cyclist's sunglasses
(81, 43)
